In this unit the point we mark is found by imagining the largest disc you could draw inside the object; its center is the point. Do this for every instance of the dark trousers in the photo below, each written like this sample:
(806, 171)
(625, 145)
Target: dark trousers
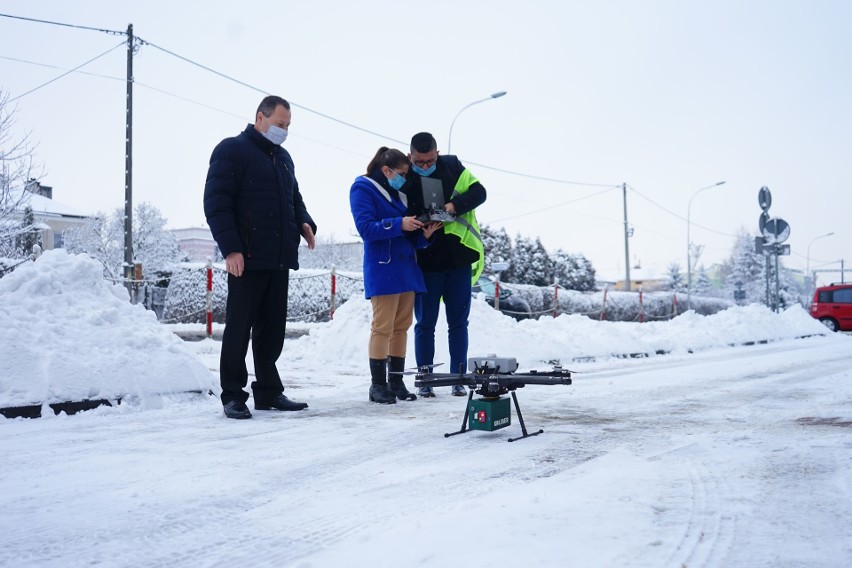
(256, 309)
(453, 286)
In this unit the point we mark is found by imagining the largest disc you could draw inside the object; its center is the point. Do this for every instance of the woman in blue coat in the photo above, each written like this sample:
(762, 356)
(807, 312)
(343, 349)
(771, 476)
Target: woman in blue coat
(391, 274)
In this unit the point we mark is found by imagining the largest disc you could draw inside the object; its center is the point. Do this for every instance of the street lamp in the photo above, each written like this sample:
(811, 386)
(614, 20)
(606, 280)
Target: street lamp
(808, 260)
(493, 96)
(689, 244)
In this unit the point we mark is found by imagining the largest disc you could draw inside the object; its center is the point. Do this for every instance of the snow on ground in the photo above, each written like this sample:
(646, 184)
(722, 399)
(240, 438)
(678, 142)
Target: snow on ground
(714, 454)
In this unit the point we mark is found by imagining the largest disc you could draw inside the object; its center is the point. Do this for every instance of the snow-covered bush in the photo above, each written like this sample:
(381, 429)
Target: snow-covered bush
(620, 306)
(309, 297)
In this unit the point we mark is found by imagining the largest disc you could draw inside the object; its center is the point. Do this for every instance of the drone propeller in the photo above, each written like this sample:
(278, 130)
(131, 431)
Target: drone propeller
(416, 370)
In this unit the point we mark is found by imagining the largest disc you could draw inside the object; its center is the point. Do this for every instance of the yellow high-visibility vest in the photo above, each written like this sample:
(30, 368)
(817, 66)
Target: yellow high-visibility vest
(465, 226)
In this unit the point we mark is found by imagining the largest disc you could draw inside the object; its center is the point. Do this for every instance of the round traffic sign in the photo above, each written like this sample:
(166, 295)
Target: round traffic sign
(761, 223)
(764, 198)
(776, 231)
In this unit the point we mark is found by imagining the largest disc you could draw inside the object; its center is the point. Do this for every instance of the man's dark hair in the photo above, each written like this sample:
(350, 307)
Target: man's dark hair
(268, 104)
(423, 142)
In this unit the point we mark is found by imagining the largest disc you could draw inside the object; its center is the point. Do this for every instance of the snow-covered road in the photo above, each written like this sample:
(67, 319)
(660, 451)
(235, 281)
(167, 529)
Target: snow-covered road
(736, 456)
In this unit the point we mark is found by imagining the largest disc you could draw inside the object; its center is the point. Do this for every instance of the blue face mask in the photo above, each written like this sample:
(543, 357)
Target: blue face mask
(427, 172)
(396, 182)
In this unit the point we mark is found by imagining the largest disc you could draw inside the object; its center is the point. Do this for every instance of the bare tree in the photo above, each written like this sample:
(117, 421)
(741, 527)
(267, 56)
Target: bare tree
(16, 169)
(102, 238)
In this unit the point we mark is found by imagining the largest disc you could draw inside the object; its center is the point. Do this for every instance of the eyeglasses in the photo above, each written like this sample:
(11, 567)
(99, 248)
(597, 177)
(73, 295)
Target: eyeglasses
(400, 174)
(426, 163)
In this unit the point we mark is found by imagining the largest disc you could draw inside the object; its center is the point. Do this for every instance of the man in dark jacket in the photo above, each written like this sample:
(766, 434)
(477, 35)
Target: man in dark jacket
(256, 214)
(454, 260)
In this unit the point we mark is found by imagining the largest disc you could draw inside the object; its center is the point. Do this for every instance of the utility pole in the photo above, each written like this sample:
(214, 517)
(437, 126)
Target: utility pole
(128, 164)
(626, 245)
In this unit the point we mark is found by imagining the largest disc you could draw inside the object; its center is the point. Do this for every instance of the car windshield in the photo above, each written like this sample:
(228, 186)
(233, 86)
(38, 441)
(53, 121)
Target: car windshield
(486, 286)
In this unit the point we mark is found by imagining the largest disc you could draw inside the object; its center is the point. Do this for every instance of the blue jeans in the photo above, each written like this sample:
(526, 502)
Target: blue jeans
(454, 287)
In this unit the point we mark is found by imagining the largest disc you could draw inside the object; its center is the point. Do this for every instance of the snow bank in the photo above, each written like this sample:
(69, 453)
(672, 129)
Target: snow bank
(535, 342)
(67, 334)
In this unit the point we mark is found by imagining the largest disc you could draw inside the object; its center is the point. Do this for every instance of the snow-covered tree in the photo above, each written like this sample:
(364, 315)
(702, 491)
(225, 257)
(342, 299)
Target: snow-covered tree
(102, 237)
(748, 269)
(676, 282)
(497, 244)
(530, 263)
(153, 246)
(573, 271)
(16, 168)
(28, 235)
(745, 269)
(701, 284)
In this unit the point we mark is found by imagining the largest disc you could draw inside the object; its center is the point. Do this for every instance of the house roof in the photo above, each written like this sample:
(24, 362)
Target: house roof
(46, 207)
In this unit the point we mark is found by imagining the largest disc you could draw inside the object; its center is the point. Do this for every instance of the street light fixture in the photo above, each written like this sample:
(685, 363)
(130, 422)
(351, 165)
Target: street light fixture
(493, 96)
(689, 244)
(808, 261)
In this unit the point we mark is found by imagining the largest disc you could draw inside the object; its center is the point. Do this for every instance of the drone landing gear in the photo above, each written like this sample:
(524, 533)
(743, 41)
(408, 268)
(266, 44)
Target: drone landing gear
(521, 420)
(466, 418)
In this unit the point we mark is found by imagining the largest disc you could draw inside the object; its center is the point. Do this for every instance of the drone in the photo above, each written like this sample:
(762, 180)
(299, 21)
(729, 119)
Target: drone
(492, 377)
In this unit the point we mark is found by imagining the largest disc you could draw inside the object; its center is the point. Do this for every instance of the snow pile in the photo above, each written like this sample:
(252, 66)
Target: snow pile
(565, 338)
(67, 334)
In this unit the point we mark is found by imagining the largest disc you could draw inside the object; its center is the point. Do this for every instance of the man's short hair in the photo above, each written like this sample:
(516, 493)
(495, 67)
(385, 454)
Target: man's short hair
(268, 104)
(423, 142)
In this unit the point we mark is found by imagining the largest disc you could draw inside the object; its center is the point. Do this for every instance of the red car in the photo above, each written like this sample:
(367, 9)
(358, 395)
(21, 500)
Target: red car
(832, 305)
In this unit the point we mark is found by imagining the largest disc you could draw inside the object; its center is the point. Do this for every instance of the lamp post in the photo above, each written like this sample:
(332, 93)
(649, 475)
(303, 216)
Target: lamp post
(493, 96)
(808, 261)
(689, 244)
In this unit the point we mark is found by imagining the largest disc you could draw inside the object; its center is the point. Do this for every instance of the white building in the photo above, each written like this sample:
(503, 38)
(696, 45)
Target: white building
(197, 243)
(51, 217)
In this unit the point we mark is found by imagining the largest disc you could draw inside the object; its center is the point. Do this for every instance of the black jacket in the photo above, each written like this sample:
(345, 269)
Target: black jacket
(446, 251)
(253, 204)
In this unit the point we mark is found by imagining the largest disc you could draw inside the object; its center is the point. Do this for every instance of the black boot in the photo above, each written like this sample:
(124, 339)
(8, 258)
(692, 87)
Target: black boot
(395, 367)
(379, 391)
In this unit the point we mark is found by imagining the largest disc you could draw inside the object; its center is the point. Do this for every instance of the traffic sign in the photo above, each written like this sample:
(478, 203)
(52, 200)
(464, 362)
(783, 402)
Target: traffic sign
(764, 198)
(776, 231)
(761, 223)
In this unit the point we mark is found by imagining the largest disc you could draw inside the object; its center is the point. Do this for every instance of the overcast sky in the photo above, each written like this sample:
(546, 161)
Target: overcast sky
(665, 96)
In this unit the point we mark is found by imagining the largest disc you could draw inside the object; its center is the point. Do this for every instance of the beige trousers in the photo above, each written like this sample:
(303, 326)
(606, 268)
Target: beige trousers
(392, 316)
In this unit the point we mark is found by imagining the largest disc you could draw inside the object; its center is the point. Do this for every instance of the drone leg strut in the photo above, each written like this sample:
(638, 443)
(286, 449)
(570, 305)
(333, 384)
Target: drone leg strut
(521, 420)
(466, 415)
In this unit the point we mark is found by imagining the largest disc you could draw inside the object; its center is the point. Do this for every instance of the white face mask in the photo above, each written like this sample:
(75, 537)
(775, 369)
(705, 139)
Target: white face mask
(275, 134)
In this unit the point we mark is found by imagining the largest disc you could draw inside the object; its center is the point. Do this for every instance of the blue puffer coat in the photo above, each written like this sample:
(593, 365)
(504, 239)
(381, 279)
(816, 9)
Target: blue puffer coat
(390, 263)
(253, 204)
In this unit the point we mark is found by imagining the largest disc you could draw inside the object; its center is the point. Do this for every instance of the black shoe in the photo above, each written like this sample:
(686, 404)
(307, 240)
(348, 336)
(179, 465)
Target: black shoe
(458, 390)
(382, 394)
(280, 402)
(425, 392)
(397, 387)
(236, 409)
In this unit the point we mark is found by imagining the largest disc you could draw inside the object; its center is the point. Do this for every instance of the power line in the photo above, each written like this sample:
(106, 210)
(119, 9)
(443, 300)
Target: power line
(114, 32)
(67, 72)
(672, 213)
(543, 178)
(297, 105)
(243, 83)
(554, 206)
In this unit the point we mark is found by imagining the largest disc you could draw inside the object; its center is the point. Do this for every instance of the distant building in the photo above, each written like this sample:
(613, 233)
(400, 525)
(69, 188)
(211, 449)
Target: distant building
(197, 243)
(647, 279)
(51, 217)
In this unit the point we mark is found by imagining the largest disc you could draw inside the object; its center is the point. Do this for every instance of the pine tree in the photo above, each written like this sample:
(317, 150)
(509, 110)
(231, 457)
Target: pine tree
(574, 272)
(675, 278)
(702, 285)
(749, 268)
(28, 235)
(497, 245)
